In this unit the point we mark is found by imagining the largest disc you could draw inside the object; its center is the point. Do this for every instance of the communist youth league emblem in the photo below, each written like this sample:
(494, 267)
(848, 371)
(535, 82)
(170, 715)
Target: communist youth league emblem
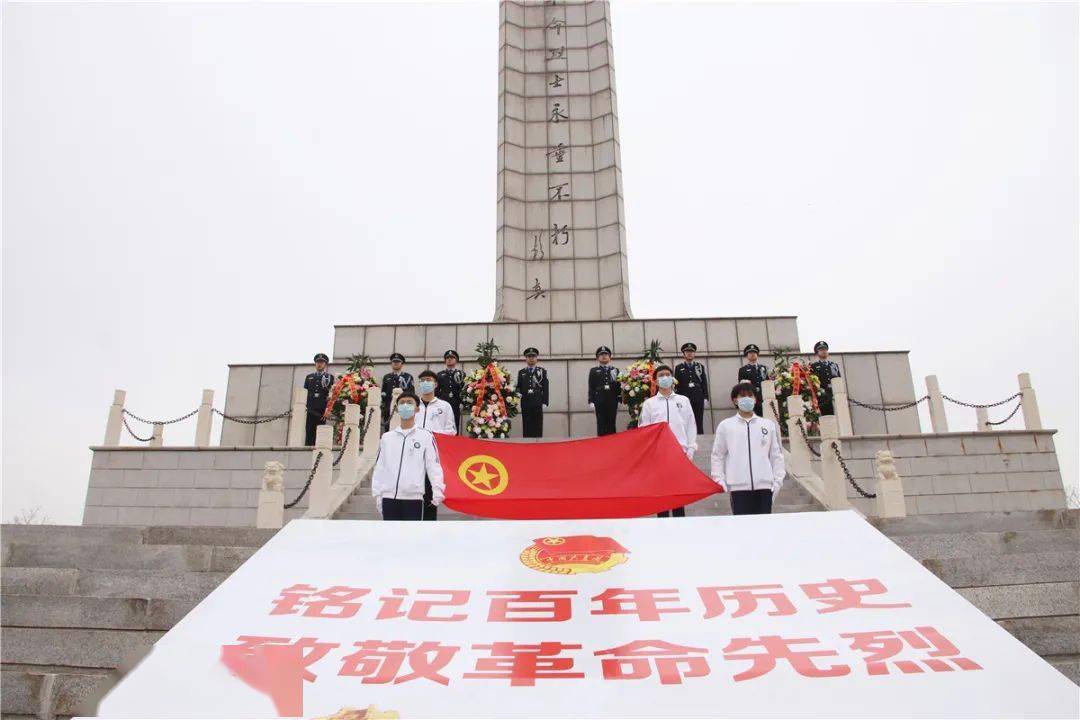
(573, 554)
(484, 474)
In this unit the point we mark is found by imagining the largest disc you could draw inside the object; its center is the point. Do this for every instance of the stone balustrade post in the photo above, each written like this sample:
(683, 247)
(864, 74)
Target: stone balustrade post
(298, 419)
(204, 420)
(841, 407)
(157, 439)
(350, 452)
(938, 422)
(271, 509)
(982, 420)
(374, 424)
(115, 424)
(890, 488)
(798, 449)
(319, 493)
(832, 474)
(395, 419)
(770, 408)
(1028, 404)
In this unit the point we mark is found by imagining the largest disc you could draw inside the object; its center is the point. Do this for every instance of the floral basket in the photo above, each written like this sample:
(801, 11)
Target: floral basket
(791, 377)
(350, 387)
(490, 396)
(637, 383)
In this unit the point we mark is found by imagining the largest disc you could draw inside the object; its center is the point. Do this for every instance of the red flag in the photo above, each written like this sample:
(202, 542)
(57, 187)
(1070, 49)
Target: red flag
(628, 474)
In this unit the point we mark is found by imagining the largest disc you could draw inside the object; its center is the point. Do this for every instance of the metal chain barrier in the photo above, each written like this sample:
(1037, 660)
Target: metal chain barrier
(344, 444)
(987, 405)
(805, 437)
(310, 477)
(847, 474)
(888, 408)
(1007, 417)
(774, 412)
(254, 421)
(159, 422)
(132, 432)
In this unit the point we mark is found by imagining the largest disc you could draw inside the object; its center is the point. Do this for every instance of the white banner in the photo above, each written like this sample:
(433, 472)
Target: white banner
(790, 615)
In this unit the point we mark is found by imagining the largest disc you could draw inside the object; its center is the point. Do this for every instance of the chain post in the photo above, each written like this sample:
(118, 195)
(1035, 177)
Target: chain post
(115, 423)
(890, 487)
(768, 399)
(372, 424)
(798, 447)
(395, 419)
(982, 420)
(938, 422)
(1028, 403)
(298, 422)
(832, 474)
(271, 510)
(204, 419)
(350, 451)
(157, 439)
(841, 407)
(319, 504)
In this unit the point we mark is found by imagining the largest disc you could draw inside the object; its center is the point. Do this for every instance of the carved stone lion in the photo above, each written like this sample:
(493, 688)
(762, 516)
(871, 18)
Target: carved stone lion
(273, 476)
(886, 466)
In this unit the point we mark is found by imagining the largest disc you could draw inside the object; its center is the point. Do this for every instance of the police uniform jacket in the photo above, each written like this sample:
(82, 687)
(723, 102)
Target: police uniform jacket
(448, 385)
(675, 410)
(693, 383)
(825, 370)
(604, 385)
(532, 383)
(755, 373)
(392, 380)
(318, 386)
(405, 458)
(436, 416)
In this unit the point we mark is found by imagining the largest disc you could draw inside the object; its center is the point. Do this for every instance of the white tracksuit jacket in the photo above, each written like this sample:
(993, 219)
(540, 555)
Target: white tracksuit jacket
(405, 458)
(436, 416)
(746, 455)
(675, 410)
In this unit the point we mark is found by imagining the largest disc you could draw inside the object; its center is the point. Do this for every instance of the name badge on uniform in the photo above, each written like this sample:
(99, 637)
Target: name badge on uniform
(530, 391)
(690, 385)
(416, 445)
(607, 387)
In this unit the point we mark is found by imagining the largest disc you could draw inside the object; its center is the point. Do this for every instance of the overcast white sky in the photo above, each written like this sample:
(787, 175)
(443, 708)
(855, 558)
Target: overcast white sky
(189, 185)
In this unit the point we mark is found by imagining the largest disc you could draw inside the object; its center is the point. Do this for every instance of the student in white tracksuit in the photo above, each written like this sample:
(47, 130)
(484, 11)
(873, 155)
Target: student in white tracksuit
(407, 456)
(433, 415)
(747, 460)
(667, 406)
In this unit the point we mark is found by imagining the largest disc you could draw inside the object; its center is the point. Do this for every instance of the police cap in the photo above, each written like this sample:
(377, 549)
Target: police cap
(397, 356)
(450, 354)
(321, 356)
(688, 346)
(603, 349)
(751, 348)
(530, 351)
(821, 345)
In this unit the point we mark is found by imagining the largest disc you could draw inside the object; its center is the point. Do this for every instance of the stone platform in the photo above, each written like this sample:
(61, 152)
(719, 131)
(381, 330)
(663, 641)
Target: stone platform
(567, 351)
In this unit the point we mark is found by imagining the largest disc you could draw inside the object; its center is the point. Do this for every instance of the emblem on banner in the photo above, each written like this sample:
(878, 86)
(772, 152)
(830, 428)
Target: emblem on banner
(573, 554)
(484, 474)
(369, 713)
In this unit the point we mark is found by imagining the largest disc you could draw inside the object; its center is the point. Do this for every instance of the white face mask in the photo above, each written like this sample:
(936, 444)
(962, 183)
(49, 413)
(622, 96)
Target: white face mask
(665, 381)
(406, 410)
(426, 386)
(746, 404)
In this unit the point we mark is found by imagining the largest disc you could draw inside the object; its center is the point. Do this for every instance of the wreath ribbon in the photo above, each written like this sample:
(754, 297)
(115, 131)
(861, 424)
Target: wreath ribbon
(481, 389)
(798, 374)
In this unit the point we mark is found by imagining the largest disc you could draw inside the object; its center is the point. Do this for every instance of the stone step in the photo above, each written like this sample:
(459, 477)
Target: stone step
(1058, 635)
(1002, 602)
(74, 611)
(44, 693)
(117, 556)
(969, 544)
(1067, 665)
(81, 648)
(978, 522)
(109, 583)
(1014, 569)
(153, 535)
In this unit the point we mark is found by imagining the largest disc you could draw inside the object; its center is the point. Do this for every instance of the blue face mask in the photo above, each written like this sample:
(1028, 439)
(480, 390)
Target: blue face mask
(746, 404)
(665, 381)
(406, 410)
(426, 386)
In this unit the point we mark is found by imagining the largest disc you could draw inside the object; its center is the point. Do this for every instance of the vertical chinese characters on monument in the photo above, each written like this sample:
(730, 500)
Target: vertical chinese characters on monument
(561, 251)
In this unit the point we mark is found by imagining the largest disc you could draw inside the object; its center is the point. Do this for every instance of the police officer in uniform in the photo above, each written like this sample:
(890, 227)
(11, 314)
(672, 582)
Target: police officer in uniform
(693, 383)
(532, 383)
(318, 386)
(826, 370)
(754, 373)
(397, 377)
(450, 381)
(604, 391)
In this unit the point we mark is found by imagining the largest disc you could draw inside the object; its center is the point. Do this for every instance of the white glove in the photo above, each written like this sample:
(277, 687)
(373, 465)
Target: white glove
(706, 402)
(592, 406)
(722, 485)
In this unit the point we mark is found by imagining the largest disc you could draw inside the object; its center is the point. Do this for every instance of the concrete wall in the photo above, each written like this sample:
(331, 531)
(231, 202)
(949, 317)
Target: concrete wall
(187, 486)
(567, 351)
(964, 472)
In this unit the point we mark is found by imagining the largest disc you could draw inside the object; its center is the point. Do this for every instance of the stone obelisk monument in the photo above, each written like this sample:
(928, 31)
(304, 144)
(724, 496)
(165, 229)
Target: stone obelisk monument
(561, 241)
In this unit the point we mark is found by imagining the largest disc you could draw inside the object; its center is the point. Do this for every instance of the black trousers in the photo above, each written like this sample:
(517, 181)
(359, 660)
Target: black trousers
(605, 418)
(697, 404)
(457, 417)
(402, 509)
(825, 402)
(532, 421)
(314, 420)
(430, 511)
(751, 502)
(675, 512)
(758, 406)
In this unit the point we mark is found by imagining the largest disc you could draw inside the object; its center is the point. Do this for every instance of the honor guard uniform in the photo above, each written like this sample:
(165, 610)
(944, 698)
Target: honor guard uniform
(693, 383)
(396, 378)
(318, 386)
(532, 383)
(604, 391)
(754, 373)
(450, 381)
(826, 370)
